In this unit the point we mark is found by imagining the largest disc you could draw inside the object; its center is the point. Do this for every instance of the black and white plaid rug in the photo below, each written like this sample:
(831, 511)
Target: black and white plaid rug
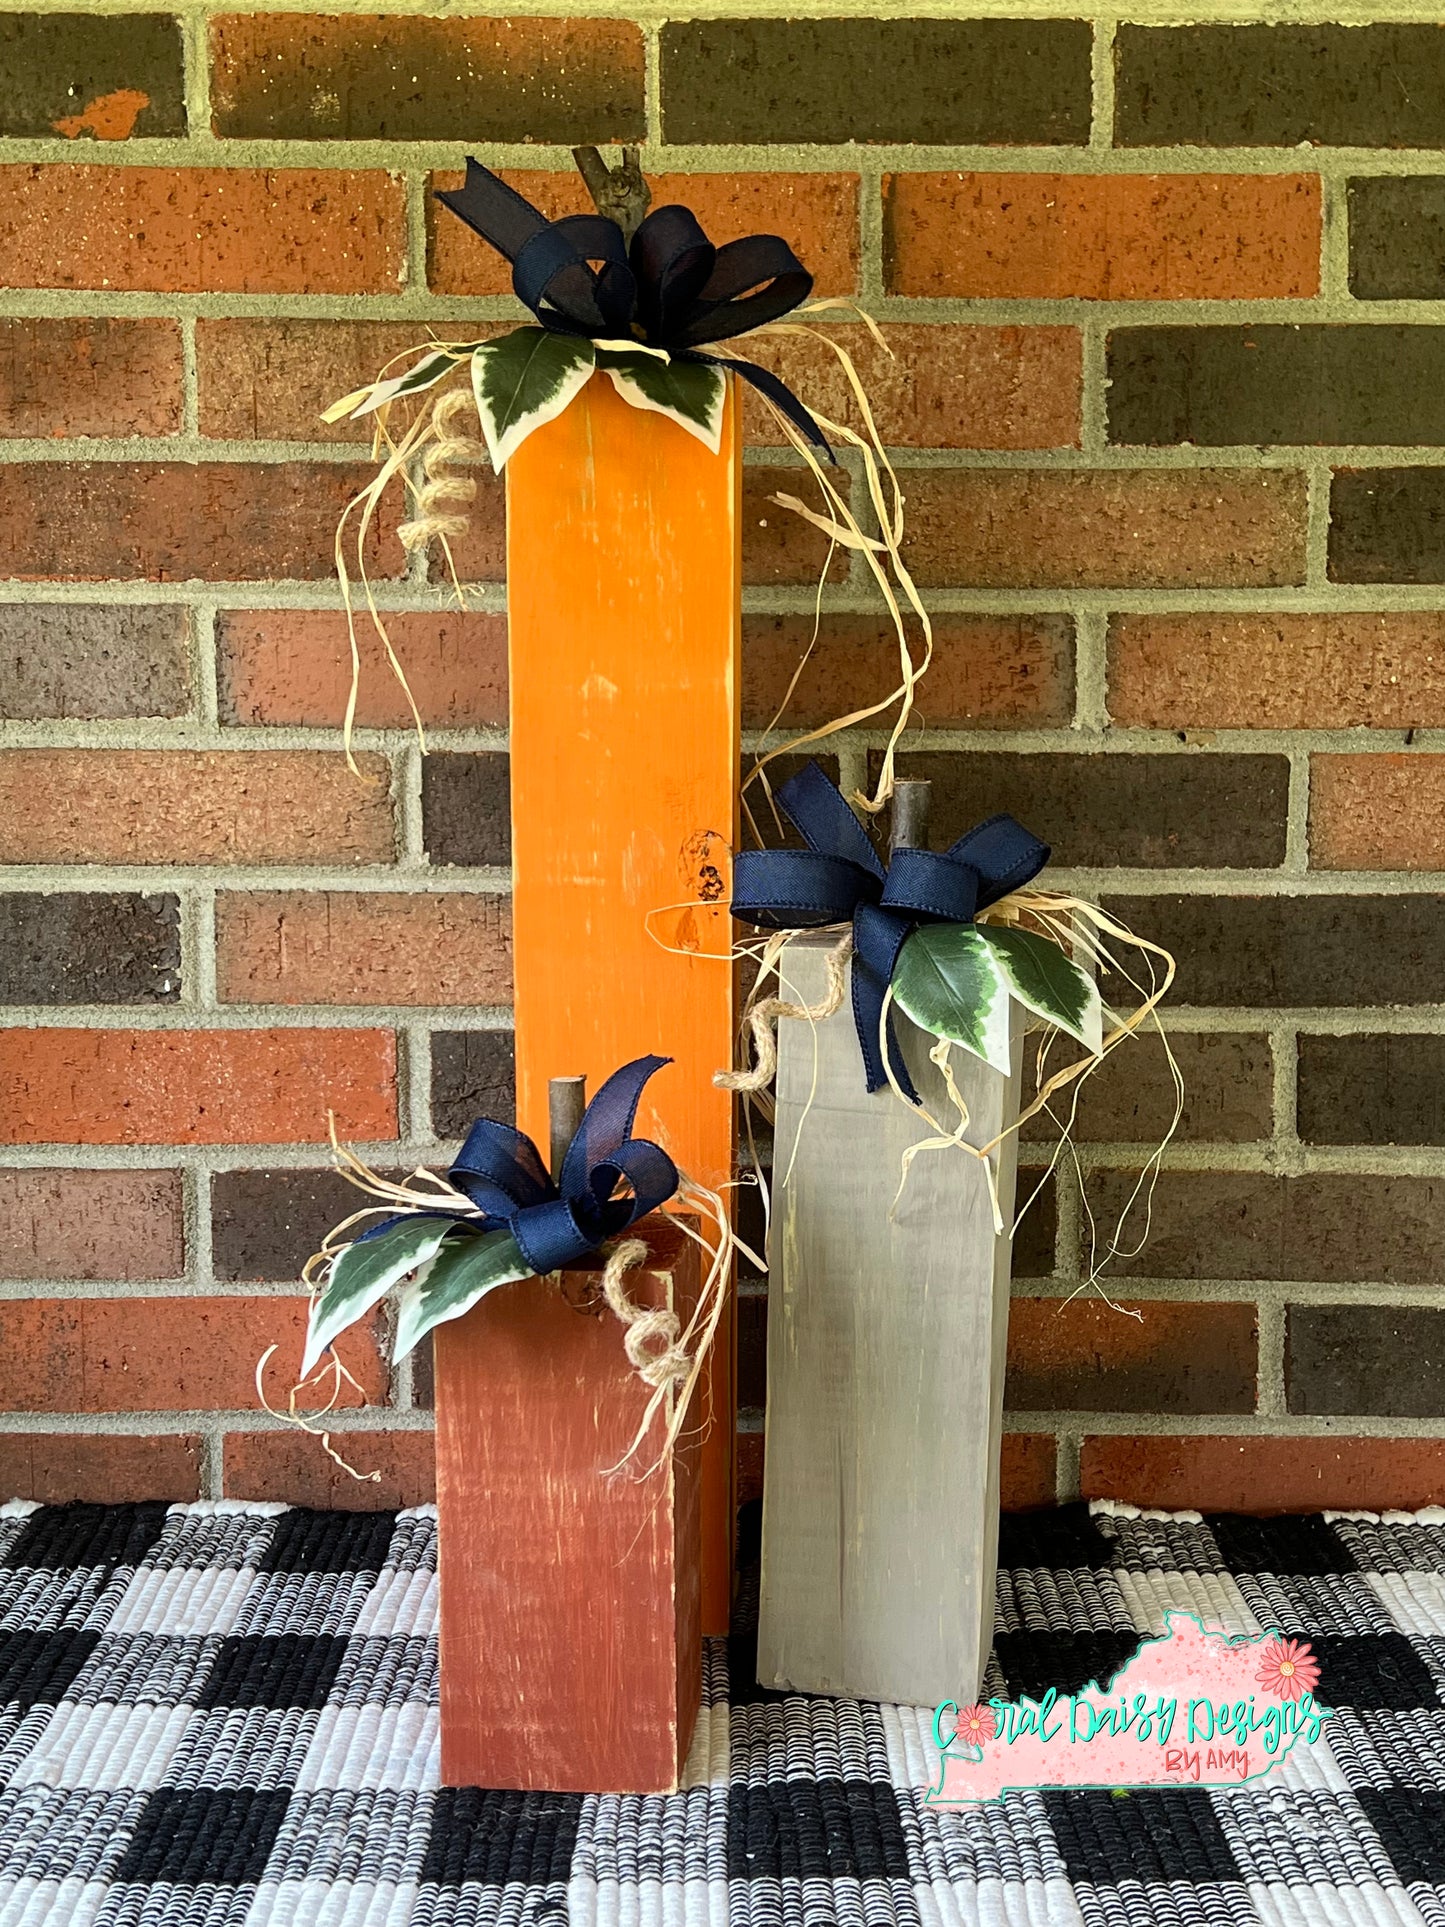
(223, 1715)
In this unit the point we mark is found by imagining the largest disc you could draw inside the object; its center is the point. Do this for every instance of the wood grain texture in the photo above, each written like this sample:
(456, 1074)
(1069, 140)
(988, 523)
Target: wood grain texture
(886, 1347)
(624, 581)
(571, 1645)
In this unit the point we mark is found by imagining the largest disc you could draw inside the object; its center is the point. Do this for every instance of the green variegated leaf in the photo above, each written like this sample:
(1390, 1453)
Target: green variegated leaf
(689, 391)
(948, 981)
(463, 1271)
(426, 374)
(1048, 983)
(524, 379)
(362, 1275)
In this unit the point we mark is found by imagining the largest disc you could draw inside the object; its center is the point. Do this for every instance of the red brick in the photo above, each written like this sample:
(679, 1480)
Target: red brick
(195, 1087)
(1370, 670)
(71, 376)
(269, 378)
(374, 77)
(1081, 1354)
(58, 1467)
(1377, 812)
(1228, 1093)
(91, 1224)
(1104, 237)
(198, 230)
(988, 672)
(817, 214)
(295, 1470)
(1265, 1474)
(778, 544)
(1057, 528)
(1028, 1474)
(164, 1354)
(335, 947)
(293, 666)
(943, 386)
(192, 806)
(183, 521)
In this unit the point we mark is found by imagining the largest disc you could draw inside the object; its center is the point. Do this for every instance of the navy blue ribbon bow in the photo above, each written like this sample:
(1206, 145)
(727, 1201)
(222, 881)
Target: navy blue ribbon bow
(503, 1173)
(671, 289)
(840, 876)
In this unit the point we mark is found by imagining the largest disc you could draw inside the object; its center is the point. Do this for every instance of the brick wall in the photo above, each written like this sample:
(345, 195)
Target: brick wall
(1167, 396)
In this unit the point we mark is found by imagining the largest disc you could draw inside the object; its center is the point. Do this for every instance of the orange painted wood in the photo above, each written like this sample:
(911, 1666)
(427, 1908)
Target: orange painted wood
(624, 594)
(571, 1645)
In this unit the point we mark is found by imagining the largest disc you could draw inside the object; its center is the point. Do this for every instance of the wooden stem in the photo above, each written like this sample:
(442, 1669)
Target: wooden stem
(566, 1101)
(912, 799)
(619, 194)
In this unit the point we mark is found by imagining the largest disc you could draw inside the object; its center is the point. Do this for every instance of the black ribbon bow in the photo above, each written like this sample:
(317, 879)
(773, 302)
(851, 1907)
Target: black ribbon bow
(840, 876)
(671, 289)
(503, 1173)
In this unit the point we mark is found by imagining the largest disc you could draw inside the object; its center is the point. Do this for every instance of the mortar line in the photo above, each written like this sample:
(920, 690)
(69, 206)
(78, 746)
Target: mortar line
(1251, 1425)
(198, 954)
(1270, 1328)
(652, 91)
(1284, 1052)
(1091, 695)
(213, 1459)
(201, 630)
(190, 381)
(44, 878)
(1334, 238)
(1317, 531)
(415, 1088)
(407, 803)
(1101, 85)
(1094, 391)
(196, 68)
(872, 263)
(1066, 1463)
(414, 187)
(1297, 812)
(196, 1220)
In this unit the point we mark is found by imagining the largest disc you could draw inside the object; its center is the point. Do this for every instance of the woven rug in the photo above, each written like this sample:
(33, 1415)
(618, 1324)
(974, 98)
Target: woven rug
(223, 1715)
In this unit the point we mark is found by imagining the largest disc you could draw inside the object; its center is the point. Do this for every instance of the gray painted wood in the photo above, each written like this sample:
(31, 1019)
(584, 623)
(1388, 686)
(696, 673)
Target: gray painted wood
(886, 1349)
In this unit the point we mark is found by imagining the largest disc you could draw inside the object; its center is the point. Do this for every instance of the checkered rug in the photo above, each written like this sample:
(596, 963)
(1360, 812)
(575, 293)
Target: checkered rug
(223, 1715)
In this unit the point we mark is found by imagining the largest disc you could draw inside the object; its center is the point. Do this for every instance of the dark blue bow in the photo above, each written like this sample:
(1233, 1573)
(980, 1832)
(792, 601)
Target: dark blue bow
(503, 1173)
(671, 289)
(840, 876)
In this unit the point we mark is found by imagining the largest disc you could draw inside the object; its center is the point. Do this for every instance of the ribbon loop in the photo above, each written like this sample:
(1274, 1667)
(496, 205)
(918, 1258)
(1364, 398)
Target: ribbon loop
(502, 1172)
(840, 875)
(924, 884)
(673, 289)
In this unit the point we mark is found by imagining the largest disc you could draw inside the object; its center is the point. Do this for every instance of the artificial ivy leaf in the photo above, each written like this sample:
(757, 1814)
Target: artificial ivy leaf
(1048, 983)
(524, 379)
(363, 1273)
(948, 981)
(689, 391)
(462, 1273)
(426, 374)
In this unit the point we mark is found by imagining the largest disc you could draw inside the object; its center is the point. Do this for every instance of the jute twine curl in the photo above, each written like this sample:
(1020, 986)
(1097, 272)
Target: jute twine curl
(445, 448)
(645, 1326)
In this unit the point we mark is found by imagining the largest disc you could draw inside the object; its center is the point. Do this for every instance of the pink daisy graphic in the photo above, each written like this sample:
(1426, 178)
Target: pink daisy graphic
(976, 1724)
(1288, 1667)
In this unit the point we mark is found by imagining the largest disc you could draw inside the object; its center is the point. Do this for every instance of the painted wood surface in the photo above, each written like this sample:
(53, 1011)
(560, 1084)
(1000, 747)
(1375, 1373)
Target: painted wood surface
(624, 597)
(571, 1646)
(887, 1332)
